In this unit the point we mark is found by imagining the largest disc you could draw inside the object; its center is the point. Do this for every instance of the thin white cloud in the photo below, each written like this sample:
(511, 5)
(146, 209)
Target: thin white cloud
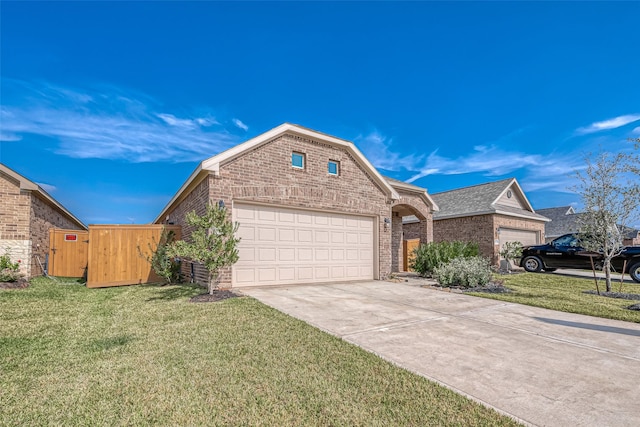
(108, 123)
(491, 161)
(542, 172)
(636, 131)
(378, 149)
(9, 137)
(47, 187)
(609, 124)
(238, 123)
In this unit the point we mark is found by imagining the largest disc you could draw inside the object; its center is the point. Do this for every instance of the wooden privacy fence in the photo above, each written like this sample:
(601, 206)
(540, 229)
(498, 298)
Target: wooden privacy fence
(68, 252)
(111, 254)
(114, 253)
(408, 246)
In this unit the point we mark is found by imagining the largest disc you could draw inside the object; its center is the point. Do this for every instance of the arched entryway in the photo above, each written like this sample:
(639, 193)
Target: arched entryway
(417, 221)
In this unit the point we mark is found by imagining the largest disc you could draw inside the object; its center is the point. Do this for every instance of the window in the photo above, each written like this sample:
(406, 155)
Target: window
(297, 160)
(334, 167)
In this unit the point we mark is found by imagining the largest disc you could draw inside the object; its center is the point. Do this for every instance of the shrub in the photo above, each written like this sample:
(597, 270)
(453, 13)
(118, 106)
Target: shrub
(464, 272)
(511, 251)
(431, 255)
(9, 271)
(161, 262)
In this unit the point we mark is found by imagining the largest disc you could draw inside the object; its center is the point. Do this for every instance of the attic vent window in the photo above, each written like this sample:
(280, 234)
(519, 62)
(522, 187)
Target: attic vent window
(334, 167)
(509, 194)
(297, 160)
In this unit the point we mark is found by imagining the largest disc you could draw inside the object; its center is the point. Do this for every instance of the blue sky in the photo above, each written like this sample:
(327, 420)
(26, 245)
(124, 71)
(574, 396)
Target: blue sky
(110, 106)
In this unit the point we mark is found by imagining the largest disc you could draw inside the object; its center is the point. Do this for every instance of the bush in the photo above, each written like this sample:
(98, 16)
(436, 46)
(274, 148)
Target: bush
(431, 255)
(9, 271)
(511, 251)
(161, 262)
(464, 272)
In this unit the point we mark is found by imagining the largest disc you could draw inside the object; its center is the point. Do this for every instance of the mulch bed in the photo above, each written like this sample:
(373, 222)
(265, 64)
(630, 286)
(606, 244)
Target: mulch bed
(620, 295)
(18, 284)
(218, 295)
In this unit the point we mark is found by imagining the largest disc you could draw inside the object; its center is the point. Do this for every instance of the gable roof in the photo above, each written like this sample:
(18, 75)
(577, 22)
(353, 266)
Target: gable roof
(422, 192)
(483, 199)
(28, 185)
(213, 164)
(564, 219)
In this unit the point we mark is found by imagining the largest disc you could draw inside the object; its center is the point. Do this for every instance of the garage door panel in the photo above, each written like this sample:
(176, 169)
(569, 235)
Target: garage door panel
(247, 233)
(287, 274)
(286, 254)
(321, 237)
(286, 235)
(305, 236)
(247, 253)
(288, 246)
(266, 234)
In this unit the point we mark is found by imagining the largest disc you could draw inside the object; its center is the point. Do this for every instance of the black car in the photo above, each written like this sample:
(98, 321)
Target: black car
(566, 252)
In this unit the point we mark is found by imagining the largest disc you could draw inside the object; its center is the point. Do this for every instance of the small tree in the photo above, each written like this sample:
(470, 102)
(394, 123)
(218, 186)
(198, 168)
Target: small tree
(610, 190)
(510, 252)
(212, 243)
(162, 263)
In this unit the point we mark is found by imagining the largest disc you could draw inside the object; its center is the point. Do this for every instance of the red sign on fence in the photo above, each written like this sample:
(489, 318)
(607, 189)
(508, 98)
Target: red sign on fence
(70, 237)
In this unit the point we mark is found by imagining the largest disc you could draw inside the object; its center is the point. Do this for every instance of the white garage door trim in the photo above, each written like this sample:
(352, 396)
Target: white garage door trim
(282, 245)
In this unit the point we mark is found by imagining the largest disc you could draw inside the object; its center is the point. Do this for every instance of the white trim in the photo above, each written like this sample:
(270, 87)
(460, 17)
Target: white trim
(416, 190)
(519, 189)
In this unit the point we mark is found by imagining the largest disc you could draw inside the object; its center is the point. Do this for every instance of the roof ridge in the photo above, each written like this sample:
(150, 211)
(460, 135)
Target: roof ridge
(475, 185)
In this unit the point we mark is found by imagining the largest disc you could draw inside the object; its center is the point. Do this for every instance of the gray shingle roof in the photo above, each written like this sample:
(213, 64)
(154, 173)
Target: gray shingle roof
(564, 220)
(478, 200)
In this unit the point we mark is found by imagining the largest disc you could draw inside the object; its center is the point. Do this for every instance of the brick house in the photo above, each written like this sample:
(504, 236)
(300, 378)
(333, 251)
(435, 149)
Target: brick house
(310, 208)
(490, 214)
(564, 220)
(27, 213)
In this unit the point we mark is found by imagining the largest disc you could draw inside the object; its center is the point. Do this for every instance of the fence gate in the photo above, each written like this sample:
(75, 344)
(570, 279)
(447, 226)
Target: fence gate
(68, 252)
(408, 246)
(117, 253)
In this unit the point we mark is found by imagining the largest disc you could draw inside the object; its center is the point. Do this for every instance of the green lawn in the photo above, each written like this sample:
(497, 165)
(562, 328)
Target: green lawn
(143, 355)
(563, 293)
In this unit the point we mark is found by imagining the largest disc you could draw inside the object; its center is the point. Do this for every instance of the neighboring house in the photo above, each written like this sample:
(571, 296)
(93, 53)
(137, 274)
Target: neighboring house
(490, 214)
(27, 213)
(311, 209)
(564, 220)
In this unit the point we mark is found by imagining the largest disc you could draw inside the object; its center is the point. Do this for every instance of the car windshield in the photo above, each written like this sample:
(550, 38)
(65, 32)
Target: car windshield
(566, 241)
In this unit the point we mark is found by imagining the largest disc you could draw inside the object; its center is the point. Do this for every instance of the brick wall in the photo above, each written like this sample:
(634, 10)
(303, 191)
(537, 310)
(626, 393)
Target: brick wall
(478, 229)
(483, 230)
(265, 175)
(413, 230)
(14, 222)
(14, 209)
(197, 201)
(45, 216)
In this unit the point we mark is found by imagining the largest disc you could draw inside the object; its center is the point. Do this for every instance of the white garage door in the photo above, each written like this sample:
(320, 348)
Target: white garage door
(289, 246)
(526, 237)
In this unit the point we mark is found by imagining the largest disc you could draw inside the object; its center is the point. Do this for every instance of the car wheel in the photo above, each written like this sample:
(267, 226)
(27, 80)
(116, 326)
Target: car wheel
(550, 270)
(532, 264)
(634, 272)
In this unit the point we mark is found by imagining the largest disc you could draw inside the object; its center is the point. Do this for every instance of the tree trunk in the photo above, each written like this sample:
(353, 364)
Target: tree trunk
(607, 273)
(213, 281)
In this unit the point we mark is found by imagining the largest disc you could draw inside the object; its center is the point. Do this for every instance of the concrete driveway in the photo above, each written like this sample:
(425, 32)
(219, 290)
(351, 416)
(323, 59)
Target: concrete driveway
(539, 366)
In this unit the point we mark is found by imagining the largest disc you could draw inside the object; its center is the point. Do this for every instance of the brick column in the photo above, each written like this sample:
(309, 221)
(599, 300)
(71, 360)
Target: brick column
(396, 243)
